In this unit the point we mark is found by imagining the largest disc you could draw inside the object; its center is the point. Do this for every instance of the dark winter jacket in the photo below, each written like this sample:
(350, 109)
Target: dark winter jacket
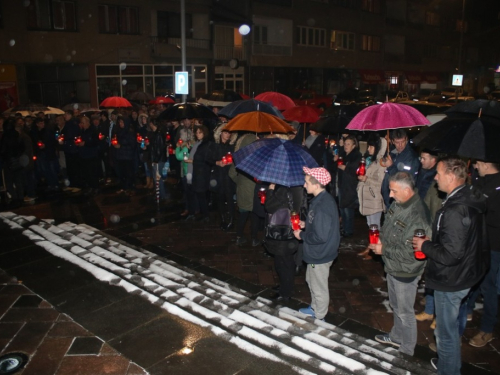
(280, 197)
(215, 153)
(70, 131)
(90, 149)
(348, 180)
(458, 255)
(396, 235)
(490, 187)
(157, 149)
(317, 149)
(406, 161)
(322, 231)
(425, 180)
(201, 169)
(127, 141)
(48, 138)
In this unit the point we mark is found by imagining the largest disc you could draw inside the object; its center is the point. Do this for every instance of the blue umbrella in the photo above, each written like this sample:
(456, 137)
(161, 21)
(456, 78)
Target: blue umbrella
(274, 160)
(249, 105)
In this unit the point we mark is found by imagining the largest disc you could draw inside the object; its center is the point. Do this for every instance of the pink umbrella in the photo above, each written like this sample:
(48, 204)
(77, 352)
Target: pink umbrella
(387, 116)
(280, 101)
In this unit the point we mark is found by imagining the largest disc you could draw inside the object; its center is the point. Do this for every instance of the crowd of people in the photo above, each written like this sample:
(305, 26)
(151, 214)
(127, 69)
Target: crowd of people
(455, 204)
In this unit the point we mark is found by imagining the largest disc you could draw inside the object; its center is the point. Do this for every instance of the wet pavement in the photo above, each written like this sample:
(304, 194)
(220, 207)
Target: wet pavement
(68, 321)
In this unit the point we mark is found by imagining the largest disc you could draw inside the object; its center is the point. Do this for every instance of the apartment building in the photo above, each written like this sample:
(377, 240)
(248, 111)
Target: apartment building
(100, 48)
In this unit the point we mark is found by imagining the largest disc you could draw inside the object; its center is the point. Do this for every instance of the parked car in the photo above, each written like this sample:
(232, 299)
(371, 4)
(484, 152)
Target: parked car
(394, 96)
(452, 91)
(424, 94)
(311, 98)
(452, 101)
(355, 95)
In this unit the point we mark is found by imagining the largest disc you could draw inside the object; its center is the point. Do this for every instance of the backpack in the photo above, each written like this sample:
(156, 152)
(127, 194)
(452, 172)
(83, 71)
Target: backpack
(279, 225)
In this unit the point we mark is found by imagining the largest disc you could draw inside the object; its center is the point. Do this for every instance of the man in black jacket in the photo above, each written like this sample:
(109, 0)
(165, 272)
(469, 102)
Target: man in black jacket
(489, 184)
(457, 258)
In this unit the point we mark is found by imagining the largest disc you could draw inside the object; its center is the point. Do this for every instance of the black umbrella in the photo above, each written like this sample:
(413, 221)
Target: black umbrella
(249, 105)
(223, 96)
(475, 138)
(335, 119)
(187, 110)
(479, 107)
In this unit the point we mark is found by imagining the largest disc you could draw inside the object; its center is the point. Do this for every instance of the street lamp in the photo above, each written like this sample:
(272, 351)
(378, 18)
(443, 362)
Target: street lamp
(461, 38)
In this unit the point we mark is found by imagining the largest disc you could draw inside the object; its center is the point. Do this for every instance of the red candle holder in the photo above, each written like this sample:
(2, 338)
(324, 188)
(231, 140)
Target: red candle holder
(101, 136)
(340, 161)
(60, 139)
(419, 233)
(114, 141)
(139, 138)
(180, 142)
(229, 158)
(373, 234)
(170, 150)
(361, 171)
(40, 144)
(146, 141)
(262, 195)
(168, 137)
(78, 140)
(224, 160)
(295, 219)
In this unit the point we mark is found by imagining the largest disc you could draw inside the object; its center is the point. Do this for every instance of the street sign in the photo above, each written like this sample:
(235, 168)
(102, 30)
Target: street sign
(181, 83)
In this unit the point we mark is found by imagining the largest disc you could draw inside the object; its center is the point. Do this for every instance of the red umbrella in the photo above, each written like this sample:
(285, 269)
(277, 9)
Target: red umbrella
(280, 101)
(302, 113)
(115, 102)
(162, 100)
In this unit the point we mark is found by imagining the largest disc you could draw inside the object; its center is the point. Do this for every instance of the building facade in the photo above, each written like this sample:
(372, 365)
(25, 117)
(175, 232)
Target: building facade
(51, 50)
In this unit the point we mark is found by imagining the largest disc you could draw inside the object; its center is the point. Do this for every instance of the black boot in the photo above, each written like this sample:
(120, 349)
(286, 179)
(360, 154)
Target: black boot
(223, 224)
(230, 223)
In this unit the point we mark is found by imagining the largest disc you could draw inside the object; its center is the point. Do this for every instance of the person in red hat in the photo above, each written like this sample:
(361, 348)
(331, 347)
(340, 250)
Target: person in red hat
(321, 236)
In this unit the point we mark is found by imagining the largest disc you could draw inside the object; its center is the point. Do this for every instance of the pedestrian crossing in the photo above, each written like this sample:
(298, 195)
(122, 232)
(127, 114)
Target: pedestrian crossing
(256, 325)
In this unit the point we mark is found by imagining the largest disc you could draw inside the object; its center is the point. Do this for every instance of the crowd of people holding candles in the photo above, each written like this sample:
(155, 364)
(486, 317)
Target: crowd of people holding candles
(389, 183)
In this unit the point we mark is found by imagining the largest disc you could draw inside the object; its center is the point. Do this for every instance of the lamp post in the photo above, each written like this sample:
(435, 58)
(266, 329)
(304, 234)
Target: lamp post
(460, 47)
(183, 39)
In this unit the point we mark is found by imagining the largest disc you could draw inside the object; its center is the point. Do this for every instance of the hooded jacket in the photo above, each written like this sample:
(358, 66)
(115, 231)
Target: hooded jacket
(215, 153)
(369, 194)
(458, 255)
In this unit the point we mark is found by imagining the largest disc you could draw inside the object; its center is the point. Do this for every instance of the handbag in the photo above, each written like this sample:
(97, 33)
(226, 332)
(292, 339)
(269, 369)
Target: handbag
(279, 225)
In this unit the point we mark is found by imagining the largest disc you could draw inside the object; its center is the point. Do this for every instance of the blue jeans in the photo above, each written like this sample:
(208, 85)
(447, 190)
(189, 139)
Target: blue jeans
(449, 320)
(347, 215)
(402, 298)
(429, 301)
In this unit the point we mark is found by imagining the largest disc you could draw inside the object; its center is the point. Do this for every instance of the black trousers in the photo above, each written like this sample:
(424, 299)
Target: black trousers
(285, 268)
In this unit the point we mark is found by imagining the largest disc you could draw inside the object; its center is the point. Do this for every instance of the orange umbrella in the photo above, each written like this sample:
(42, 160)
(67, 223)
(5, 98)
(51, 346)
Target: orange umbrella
(302, 113)
(115, 102)
(280, 101)
(258, 122)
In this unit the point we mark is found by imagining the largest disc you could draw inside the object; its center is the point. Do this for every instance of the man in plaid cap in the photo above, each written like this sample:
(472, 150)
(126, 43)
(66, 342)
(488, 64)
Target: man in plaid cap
(321, 236)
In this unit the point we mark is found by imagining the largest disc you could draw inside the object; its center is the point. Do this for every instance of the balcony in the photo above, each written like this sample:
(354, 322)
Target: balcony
(271, 50)
(161, 46)
(229, 52)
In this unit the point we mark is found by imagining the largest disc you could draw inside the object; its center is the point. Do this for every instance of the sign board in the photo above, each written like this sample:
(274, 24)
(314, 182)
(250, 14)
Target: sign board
(181, 83)
(457, 80)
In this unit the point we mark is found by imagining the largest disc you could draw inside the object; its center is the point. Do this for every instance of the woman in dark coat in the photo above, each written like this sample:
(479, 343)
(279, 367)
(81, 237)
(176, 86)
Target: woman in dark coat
(198, 176)
(348, 182)
(157, 154)
(125, 156)
(278, 197)
(89, 156)
(223, 185)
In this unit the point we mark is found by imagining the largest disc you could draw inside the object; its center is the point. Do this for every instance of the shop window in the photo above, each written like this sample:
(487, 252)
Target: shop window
(118, 20)
(51, 15)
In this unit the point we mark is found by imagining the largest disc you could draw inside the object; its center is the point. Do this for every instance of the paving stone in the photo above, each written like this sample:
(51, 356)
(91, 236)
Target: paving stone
(27, 301)
(93, 365)
(85, 346)
(48, 356)
(29, 337)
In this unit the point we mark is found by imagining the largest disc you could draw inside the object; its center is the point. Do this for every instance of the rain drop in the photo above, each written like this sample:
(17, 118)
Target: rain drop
(66, 182)
(123, 66)
(75, 106)
(68, 58)
(90, 15)
(355, 282)
(114, 218)
(124, 82)
(213, 183)
(135, 226)
(153, 220)
(12, 43)
(342, 310)
(26, 3)
(73, 52)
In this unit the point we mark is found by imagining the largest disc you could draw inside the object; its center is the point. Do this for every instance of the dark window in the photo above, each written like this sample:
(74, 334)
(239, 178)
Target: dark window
(1, 16)
(169, 25)
(118, 20)
(51, 15)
